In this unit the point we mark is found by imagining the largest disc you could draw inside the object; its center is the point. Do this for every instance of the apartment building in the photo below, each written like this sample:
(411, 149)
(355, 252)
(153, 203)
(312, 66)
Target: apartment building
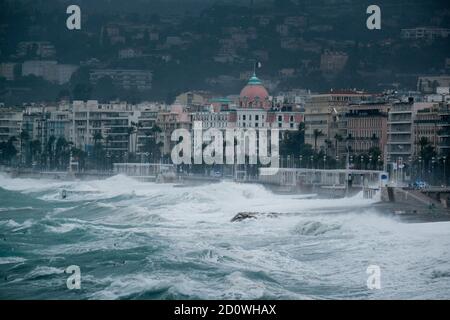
(145, 133)
(10, 123)
(324, 116)
(443, 146)
(112, 121)
(400, 145)
(176, 117)
(366, 126)
(426, 125)
(217, 120)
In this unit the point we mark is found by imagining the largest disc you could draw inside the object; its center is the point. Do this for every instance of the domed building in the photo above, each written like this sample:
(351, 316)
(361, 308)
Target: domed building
(254, 95)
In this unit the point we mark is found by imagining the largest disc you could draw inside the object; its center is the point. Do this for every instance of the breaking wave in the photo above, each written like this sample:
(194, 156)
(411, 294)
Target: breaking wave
(142, 240)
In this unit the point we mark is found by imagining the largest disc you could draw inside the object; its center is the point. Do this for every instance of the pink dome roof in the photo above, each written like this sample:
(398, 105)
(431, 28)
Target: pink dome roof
(251, 91)
(254, 91)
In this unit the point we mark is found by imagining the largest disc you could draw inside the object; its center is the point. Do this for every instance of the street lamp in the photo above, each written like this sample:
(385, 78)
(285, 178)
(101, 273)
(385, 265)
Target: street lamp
(420, 166)
(410, 164)
(433, 161)
(444, 158)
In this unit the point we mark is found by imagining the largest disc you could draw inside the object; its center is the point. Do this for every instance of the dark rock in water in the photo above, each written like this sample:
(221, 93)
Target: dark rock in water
(242, 216)
(251, 215)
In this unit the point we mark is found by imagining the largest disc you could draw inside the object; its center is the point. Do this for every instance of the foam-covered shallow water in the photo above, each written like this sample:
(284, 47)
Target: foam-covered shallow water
(135, 240)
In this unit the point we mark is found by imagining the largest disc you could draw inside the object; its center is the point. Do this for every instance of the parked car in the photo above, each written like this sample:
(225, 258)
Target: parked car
(420, 184)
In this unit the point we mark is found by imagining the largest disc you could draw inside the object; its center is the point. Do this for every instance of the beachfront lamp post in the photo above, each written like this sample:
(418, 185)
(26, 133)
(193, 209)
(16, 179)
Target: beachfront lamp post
(108, 160)
(337, 162)
(433, 161)
(300, 158)
(379, 161)
(312, 162)
(370, 162)
(420, 166)
(361, 162)
(324, 161)
(444, 158)
(410, 162)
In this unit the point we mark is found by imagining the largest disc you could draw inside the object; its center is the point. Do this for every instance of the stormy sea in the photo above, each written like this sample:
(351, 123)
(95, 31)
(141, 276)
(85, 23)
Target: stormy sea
(143, 240)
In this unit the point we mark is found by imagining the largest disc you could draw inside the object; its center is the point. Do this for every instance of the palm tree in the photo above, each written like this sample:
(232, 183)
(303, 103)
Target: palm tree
(97, 147)
(337, 139)
(50, 150)
(423, 142)
(97, 137)
(24, 137)
(317, 133)
(132, 129)
(80, 156)
(35, 150)
(8, 149)
(60, 151)
(153, 147)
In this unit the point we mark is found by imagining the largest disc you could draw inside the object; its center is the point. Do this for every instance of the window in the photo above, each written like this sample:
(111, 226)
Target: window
(256, 117)
(280, 118)
(243, 117)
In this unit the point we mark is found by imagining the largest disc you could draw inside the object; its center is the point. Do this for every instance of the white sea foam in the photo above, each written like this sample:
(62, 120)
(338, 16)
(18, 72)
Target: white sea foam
(42, 271)
(312, 248)
(12, 260)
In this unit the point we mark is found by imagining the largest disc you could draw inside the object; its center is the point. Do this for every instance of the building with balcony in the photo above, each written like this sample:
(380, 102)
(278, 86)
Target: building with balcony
(10, 124)
(426, 124)
(112, 121)
(367, 126)
(324, 114)
(443, 146)
(400, 144)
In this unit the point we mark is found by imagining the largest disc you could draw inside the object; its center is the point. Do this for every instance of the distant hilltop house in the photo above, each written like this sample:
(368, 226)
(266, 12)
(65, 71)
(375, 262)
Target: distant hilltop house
(129, 53)
(193, 98)
(41, 49)
(49, 70)
(333, 61)
(429, 84)
(8, 70)
(428, 33)
(124, 78)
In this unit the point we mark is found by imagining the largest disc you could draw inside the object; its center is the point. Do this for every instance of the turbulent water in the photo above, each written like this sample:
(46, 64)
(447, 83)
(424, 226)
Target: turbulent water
(135, 240)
